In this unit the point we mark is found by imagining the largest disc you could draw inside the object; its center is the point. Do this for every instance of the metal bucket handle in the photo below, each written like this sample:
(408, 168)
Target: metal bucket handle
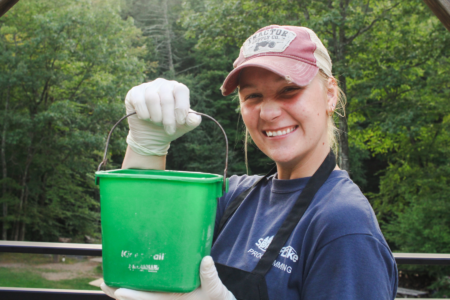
(103, 163)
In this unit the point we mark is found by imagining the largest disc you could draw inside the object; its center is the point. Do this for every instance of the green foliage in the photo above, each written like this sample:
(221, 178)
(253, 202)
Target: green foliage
(404, 118)
(421, 223)
(65, 69)
(404, 108)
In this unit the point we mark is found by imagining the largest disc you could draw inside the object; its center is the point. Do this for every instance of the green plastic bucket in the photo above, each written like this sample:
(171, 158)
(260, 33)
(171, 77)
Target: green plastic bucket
(156, 226)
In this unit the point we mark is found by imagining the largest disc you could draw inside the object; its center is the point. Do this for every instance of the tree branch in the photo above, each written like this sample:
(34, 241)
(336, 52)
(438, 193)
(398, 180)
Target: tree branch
(362, 30)
(304, 8)
(81, 81)
(189, 69)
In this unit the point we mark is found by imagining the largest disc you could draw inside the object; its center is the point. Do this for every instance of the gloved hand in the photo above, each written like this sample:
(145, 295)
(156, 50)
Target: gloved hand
(211, 288)
(162, 115)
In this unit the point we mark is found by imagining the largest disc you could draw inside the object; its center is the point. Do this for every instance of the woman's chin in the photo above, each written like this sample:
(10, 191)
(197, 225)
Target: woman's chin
(283, 159)
(288, 159)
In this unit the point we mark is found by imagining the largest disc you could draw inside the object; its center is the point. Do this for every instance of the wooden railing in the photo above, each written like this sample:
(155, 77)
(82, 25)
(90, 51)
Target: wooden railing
(11, 293)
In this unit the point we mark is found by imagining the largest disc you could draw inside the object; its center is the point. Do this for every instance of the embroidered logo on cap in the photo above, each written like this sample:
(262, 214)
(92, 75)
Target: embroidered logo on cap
(269, 40)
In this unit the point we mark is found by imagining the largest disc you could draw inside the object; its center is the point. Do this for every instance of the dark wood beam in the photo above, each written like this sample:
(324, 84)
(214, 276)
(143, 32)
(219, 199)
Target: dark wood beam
(5, 5)
(441, 8)
(51, 248)
(13, 293)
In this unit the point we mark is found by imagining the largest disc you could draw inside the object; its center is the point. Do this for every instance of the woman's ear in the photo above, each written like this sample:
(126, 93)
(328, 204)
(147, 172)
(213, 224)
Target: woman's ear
(332, 95)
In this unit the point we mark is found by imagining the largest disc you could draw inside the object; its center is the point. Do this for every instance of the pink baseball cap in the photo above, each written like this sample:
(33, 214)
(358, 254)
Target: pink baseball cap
(295, 53)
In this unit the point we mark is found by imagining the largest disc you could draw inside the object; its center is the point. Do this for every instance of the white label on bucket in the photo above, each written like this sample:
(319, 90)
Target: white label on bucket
(159, 256)
(142, 268)
(126, 253)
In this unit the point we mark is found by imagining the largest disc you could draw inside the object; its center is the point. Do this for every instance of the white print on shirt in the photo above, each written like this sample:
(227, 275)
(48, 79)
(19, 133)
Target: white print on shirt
(255, 253)
(264, 243)
(289, 252)
(283, 267)
(286, 252)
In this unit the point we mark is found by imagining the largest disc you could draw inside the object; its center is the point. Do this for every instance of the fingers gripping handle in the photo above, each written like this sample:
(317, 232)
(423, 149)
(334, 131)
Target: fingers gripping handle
(104, 161)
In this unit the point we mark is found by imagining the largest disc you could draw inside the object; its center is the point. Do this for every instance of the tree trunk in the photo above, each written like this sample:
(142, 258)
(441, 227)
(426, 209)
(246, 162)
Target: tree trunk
(4, 168)
(23, 192)
(168, 38)
(339, 53)
(24, 223)
(343, 158)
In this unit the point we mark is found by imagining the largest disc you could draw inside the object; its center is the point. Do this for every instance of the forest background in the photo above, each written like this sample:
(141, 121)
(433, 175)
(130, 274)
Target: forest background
(65, 68)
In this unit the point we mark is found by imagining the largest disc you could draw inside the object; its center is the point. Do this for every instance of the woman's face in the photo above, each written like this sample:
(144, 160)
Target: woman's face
(287, 122)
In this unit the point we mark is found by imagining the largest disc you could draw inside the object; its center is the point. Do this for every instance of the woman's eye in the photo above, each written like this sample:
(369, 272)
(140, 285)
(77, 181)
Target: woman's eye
(290, 89)
(252, 96)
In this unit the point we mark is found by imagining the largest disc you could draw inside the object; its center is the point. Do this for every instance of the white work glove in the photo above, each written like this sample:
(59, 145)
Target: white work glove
(211, 288)
(162, 115)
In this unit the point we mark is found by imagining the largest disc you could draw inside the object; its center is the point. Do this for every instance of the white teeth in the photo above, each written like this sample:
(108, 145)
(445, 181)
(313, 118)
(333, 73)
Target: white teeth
(280, 132)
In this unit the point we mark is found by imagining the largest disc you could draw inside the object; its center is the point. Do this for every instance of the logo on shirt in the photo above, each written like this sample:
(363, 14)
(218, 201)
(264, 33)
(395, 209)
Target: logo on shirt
(262, 244)
(286, 252)
(289, 252)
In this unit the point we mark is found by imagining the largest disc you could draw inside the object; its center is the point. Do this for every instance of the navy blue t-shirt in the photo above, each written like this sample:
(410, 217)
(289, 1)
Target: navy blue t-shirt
(336, 251)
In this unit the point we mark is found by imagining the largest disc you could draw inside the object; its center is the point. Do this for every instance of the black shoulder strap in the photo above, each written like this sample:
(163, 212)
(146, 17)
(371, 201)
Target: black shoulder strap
(296, 213)
(235, 203)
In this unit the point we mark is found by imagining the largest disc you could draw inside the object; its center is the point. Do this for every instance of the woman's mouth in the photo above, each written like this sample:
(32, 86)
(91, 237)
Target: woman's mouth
(280, 132)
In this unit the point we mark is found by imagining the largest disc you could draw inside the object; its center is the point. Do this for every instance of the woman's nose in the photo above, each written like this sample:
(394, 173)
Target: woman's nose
(270, 110)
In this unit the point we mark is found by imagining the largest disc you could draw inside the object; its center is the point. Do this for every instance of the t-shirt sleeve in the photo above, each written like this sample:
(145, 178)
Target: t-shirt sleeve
(236, 185)
(352, 267)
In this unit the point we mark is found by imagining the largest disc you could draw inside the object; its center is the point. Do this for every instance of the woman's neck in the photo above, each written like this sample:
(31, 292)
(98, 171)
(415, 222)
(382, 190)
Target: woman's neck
(306, 166)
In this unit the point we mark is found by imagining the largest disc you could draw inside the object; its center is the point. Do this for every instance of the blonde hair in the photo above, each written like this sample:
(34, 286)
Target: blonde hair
(332, 130)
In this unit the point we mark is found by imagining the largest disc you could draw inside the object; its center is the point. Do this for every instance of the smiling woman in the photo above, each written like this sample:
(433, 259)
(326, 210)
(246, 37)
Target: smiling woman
(287, 122)
(302, 231)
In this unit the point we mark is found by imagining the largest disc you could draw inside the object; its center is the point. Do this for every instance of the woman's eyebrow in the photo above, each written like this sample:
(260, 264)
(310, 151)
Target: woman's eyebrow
(249, 85)
(244, 86)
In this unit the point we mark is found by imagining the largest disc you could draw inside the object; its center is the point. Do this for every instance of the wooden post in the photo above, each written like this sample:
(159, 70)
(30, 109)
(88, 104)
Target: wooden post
(5, 5)
(441, 8)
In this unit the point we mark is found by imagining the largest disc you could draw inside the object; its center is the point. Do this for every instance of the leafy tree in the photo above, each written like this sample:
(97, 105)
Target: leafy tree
(169, 51)
(65, 69)
(404, 121)
(202, 149)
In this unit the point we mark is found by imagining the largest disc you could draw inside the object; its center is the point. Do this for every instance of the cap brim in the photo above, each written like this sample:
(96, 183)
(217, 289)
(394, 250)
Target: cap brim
(293, 70)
